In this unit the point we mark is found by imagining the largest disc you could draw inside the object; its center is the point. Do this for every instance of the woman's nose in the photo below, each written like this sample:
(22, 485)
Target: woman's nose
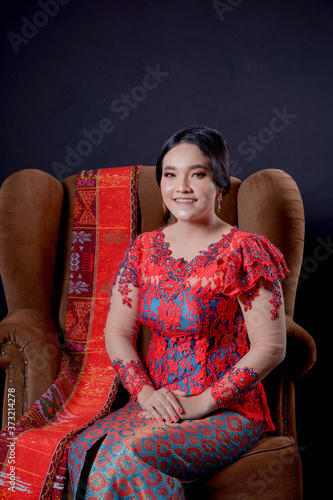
(183, 185)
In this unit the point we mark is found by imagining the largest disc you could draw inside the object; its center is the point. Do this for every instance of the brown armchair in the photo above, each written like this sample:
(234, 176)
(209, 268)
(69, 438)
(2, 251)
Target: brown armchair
(36, 215)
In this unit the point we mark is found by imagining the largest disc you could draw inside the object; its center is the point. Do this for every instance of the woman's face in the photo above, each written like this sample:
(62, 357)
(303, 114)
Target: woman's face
(187, 184)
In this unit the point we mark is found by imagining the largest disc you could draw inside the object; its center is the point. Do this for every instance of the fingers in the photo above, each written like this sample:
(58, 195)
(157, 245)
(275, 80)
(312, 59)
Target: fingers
(173, 406)
(146, 415)
(162, 405)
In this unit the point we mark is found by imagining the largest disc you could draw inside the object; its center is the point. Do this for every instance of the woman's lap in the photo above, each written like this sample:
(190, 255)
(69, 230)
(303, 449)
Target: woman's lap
(139, 455)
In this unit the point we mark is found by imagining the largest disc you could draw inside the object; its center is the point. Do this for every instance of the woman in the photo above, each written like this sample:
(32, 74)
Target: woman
(211, 295)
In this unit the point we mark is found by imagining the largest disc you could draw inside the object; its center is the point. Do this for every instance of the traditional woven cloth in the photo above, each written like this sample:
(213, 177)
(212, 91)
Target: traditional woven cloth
(33, 457)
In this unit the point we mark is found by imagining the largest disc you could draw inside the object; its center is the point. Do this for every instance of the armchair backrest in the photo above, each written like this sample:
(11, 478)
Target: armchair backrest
(31, 204)
(269, 203)
(35, 210)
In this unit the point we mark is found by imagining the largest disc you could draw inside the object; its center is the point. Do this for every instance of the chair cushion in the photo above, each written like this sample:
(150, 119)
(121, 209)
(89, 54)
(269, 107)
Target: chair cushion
(270, 470)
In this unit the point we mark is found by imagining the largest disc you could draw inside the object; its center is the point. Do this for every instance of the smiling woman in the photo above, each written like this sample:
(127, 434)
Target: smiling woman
(190, 193)
(212, 146)
(192, 172)
(188, 186)
(211, 296)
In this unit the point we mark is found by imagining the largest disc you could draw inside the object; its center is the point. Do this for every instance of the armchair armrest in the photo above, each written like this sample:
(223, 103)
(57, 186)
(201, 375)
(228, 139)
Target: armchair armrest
(301, 351)
(30, 354)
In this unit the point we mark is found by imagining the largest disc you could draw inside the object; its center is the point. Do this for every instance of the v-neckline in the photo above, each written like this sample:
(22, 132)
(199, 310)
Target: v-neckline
(202, 253)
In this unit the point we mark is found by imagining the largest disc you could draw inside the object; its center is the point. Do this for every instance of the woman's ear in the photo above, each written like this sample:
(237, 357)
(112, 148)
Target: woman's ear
(219, 199)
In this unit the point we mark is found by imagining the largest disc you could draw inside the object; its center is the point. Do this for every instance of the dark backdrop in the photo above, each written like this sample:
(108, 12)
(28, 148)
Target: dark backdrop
(88, 85)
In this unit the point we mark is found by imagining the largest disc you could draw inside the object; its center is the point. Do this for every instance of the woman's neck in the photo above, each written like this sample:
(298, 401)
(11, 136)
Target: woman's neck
(189, 230)
(187, 239)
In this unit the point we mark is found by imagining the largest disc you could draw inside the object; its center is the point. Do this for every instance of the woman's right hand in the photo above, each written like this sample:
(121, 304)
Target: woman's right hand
(160, 404)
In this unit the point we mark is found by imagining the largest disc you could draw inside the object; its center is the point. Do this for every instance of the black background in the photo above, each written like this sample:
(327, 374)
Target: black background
(66, 67)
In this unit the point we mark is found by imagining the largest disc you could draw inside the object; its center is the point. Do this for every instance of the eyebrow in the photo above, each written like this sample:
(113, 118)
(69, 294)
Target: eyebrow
(191, 167)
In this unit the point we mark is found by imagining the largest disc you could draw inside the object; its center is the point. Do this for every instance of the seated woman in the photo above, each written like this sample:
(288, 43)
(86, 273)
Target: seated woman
(211, 295)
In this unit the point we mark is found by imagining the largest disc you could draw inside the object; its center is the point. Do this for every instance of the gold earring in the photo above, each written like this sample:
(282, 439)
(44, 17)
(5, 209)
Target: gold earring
(219, 200)
(164, 208)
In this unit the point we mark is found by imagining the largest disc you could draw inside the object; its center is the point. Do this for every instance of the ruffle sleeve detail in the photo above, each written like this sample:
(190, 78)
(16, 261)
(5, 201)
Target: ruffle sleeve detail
(253, 260)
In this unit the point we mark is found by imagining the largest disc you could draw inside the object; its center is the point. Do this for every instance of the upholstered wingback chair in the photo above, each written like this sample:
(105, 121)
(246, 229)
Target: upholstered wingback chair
(36, 216)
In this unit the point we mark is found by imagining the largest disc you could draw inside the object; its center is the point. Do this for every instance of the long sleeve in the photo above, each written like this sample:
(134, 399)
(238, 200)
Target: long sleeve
(267, 339)
(122, 325)
(253, 276)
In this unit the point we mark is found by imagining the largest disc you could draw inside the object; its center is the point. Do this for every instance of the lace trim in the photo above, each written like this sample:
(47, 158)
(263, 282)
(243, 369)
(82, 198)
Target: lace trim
(233, 385)
(133, 376)
(248, 259)
(211, 253)
(236, 265)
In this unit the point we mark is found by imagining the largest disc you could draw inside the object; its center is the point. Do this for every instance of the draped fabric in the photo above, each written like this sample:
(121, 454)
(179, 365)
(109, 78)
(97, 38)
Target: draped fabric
(34, 451)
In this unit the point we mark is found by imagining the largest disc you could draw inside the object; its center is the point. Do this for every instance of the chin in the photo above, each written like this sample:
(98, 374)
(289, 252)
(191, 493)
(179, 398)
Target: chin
(180, 215)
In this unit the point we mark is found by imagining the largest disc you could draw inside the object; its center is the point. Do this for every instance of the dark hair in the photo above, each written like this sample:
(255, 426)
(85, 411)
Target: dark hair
(211, 144)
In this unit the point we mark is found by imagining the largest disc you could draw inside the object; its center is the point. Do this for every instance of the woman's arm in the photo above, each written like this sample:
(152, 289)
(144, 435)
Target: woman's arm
(121, 330)
(267, 349)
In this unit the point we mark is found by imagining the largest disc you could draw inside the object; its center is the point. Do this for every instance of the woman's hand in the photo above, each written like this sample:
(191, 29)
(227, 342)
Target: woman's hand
(161, 404)
(192, 407)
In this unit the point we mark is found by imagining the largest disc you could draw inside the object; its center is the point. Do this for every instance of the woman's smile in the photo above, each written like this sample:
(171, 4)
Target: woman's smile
(187, 184)
(185, 200)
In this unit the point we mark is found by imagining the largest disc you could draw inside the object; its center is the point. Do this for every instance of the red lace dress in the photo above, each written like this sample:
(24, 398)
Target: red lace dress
(199, 332)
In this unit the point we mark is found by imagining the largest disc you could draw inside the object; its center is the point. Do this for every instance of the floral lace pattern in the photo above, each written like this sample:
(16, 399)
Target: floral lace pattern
(198, 328)
(133, 376)
(233, 385)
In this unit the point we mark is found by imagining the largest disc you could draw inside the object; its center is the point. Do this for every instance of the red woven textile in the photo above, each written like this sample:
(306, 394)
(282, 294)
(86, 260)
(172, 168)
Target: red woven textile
(33, 455)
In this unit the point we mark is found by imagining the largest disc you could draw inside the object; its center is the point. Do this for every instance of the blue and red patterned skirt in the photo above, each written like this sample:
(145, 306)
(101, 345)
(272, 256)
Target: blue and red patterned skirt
(152, 460)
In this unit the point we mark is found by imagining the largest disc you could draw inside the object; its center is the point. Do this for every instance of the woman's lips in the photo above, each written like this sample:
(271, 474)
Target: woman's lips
(184, 200)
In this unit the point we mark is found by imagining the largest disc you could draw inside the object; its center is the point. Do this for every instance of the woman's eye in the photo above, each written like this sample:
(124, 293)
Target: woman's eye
(168, 174)
(199, 174)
